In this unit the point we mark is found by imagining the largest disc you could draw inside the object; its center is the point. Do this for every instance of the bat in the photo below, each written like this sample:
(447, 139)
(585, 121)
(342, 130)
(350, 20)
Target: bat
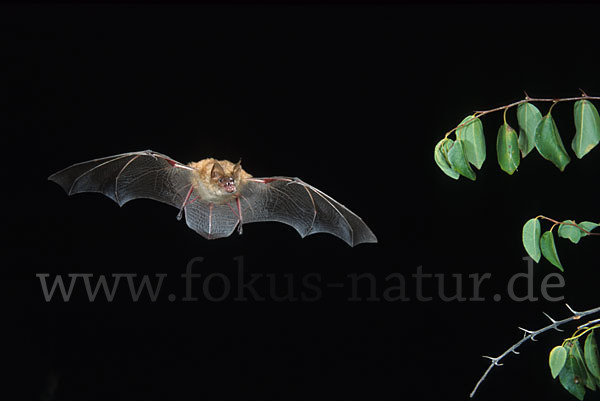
(216, 196)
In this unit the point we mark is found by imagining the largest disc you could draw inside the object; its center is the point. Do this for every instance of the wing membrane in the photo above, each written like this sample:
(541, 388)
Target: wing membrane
(211, 220)
(307, 209)
(128, 176)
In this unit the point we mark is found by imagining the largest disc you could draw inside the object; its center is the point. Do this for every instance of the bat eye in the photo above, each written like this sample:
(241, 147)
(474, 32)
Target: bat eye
(226, 181)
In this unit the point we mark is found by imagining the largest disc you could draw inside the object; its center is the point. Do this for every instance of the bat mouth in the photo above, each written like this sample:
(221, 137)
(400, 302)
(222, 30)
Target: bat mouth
(229, 186)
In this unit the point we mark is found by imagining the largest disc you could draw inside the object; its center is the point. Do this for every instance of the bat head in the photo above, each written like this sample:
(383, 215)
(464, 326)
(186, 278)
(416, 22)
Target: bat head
(218, 180)
(226, 175)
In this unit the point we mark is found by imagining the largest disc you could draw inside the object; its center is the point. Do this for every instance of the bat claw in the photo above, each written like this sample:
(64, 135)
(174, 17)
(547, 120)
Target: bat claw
(151, 154)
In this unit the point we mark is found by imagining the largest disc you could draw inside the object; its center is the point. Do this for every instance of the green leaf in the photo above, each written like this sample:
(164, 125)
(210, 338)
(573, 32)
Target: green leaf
(571, 376)
(549, 249)
(456, 156)
(507, 148)
(592, 358)
(587, 126)
(471, 135)
(583, 372)
(571, 232)
(570, 380)
(531, 239)
(441, 157)
(588, 226)
(528, 117)
(549, 144)
(557, 359)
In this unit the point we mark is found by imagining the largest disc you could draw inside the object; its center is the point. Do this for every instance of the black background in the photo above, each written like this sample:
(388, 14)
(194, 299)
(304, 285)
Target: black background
(351, 99)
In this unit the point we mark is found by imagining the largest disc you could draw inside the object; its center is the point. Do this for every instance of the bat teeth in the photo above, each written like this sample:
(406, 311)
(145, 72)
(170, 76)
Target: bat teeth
(230, 186)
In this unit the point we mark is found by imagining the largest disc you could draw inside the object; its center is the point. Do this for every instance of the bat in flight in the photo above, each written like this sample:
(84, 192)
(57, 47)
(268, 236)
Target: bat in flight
(216, 196)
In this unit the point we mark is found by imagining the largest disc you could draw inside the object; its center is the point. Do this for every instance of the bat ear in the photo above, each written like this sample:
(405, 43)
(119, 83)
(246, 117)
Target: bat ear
(217, 171)
(236, 169)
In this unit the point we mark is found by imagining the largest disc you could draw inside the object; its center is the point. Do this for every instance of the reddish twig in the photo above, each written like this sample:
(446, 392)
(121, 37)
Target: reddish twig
(567, 223)
(479, 113)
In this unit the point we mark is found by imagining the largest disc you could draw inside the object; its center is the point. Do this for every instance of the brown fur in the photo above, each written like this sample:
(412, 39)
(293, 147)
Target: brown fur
(208, 186)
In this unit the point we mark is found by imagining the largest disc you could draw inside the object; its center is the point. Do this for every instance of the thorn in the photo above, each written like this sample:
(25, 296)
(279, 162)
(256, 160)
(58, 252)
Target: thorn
(548, 316)
(582, 92)
(529, 333)
(557, 329)
(491, 358)
(571, 309)
(498, 363)
(515, 352)
(526, 331)
(526, 96)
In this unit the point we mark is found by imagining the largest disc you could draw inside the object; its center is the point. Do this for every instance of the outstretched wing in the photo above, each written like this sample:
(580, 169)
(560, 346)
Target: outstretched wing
(307, 209)
(128, 176)
(150, 175)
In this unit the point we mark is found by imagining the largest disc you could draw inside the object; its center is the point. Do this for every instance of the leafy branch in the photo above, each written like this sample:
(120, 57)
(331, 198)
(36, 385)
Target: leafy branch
(537, 244)
(527, 99)
(581, 226)
(455, 157)
(576, 369)
(530, 335)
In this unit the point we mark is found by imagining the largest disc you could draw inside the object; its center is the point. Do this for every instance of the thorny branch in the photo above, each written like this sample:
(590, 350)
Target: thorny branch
(530, 335)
